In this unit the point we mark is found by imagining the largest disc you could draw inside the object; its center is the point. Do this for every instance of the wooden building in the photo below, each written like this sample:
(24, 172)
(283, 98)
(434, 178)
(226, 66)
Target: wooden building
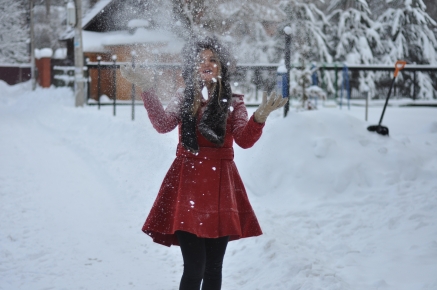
(113, 28)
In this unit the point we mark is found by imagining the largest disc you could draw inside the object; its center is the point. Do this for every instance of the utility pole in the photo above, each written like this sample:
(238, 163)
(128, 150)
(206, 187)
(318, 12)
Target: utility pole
(287, 31)
(79, 81)
(32, 47)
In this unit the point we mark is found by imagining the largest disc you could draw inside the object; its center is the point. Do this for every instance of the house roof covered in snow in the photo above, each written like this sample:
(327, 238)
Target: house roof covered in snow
(98, 8)
(97, 41)
(111, 22)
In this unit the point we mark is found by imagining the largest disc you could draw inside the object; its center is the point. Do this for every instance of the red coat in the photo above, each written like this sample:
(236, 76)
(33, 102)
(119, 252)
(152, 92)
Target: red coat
(203, 194)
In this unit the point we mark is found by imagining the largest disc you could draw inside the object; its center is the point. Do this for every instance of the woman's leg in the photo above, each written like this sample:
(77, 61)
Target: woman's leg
(193, 253)
(215, 252)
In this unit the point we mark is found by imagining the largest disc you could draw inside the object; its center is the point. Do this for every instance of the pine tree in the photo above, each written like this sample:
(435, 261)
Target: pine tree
(14, 34)
(353, 37)
(407, 35)
(187, 16)
(431, 8)
(251, 28)
(245, 25)
(308, 26)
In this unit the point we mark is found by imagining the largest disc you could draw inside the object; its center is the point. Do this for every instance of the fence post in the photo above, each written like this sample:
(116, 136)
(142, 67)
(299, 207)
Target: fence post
(99, 58)
(133, 87)
(414, 86)
(257, 79)
(366, 93)
(114, 80)
(88, 77)
(322, 72)
(336, 82)
(287, 58)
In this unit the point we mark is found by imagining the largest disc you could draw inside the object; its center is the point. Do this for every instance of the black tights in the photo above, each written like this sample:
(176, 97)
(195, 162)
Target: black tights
(203, 259)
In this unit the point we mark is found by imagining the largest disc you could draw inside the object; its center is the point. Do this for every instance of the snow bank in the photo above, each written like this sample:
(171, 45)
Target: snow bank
(60, 53)
(43, 52)
(336, 150)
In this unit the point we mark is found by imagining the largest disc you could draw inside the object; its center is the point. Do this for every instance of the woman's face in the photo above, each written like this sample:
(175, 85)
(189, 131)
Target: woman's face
(208, 68)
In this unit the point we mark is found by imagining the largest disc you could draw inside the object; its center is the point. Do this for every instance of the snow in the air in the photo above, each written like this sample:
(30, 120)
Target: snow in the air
(340, 207)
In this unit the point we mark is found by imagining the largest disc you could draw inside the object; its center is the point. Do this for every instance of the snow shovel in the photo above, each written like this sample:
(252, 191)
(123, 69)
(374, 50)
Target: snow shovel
(382, 130)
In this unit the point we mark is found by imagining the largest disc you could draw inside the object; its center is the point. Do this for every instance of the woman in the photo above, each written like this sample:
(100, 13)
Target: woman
(202, 203)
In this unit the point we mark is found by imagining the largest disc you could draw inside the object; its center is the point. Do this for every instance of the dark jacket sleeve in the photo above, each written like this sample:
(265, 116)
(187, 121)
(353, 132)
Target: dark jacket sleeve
(245, 131)
(163, 120)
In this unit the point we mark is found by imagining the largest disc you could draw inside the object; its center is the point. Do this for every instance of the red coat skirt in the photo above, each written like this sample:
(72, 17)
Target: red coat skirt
(203, 194)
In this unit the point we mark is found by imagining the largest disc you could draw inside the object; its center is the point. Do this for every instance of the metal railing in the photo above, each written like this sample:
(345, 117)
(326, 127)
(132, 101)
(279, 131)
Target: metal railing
(252, 79)
(247, 79)
(382, 83)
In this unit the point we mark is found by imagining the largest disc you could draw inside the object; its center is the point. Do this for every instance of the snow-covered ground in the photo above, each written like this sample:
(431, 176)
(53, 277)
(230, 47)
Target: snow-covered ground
(340, 207)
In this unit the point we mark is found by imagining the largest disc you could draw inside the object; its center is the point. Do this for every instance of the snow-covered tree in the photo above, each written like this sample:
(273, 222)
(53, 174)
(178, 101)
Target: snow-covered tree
(431, 8)
(187, 15)
(251, 26)
(354, 38)
(353, 35)
(14, 34)
(308, 26)
(408, 35)
(50, 22)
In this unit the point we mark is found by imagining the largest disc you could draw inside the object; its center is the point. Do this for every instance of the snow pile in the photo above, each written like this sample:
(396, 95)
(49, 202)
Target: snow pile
(43, 52)
(335, 150)
(60, 53)
(341, 208)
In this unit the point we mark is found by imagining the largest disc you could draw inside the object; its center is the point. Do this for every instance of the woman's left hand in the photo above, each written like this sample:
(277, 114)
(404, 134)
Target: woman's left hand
(267, 106)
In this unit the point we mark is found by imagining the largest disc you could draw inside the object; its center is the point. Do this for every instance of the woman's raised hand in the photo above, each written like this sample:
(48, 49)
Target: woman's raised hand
(140, 77)
(267, 106)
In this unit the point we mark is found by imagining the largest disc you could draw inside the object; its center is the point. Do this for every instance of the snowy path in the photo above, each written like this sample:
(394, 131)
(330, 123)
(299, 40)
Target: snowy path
(61, 221)
(58, 192)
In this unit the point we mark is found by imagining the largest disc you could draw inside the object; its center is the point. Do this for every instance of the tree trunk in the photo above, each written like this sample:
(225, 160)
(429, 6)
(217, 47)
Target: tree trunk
(47, 3)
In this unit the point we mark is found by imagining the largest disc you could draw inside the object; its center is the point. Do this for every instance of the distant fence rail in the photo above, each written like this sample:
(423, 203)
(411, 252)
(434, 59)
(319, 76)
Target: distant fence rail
(249, 79)
(15, 73)
(383, 84)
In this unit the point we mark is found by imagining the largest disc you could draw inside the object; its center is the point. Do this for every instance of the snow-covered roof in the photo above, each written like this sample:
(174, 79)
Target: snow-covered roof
(86, 19)
(92, 41)
(96, 41)
(97, 8)
(60, 53)
(134, 23)
(43, 52)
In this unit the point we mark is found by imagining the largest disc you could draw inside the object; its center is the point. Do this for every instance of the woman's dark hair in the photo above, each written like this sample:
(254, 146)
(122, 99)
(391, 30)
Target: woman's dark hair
(191, 51)
(212, 124)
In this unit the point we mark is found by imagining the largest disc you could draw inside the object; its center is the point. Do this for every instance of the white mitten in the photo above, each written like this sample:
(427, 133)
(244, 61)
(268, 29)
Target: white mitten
(267, 106)
(142, 78)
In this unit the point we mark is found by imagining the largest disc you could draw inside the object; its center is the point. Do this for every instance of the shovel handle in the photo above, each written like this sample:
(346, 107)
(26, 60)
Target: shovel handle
(400, 64)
